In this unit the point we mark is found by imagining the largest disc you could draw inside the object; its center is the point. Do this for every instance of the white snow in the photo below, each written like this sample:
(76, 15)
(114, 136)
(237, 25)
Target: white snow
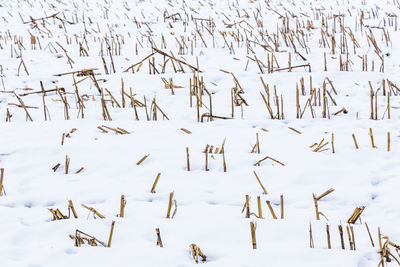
(209, 203)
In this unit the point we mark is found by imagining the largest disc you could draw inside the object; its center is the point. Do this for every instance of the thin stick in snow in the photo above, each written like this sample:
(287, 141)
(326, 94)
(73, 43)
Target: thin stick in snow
(142, 159)
(372, 138)
(311, 237)
(155, 183)
(171, 196)
(253, 227)
(328, 236)
(111, 234)
(159, 241)
(355, 141)
(122, 207)
(259, 207)
(187, 159)
(71, 208)
(196, 252)
(340, 227)
(1, 181)
(95, 212)
(355, 215)
(259, 181)
(271, 210)
(370, 236)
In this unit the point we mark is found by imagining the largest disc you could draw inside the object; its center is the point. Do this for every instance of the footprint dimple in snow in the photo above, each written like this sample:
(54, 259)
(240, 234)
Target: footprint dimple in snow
(70, 251)
(374, 182)
(50, 204)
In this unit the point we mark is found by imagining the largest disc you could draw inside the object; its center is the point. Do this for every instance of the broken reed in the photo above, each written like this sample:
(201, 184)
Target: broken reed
(317, 198)
(159, 241)
(259, 207)
(328, 236)
(372, 138)
(95, 212)
(111, 234)
(171, 196)
(57, 215)
(187, 160)
(122, 207)
(259, 181)
(356, 215)
(253, 227)
(91, 240)
(350, 236)
(196, 253)
(271, 210)
(72, 208)
(155, 183)
(1, 182)
(355, 141)
(142, 159)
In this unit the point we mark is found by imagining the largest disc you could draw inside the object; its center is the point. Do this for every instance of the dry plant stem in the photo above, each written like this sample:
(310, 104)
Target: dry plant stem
(159, 241)
(67, 160)
(171, 196)
(258, 144)
(327, 192)
(94, 211)
(355, 215)
(271, 210)
(268, 157)
(380, 247)
(352, 237)
(316, 207)
(72, 208)
(369, 234)
(155, 183)
(282, 208)
(43, 100)
(388, 141)
(355, 141)
(259, 207)
(294, 130)
(196, 252)
(24, 107)
(142, 159)
(247, 206)
(1, 181)
(122, 207)
(328, 236)
(341, 236)
(111, 234)
(311, 238)
(186, 131)
(259, 181)
(187, 160)
(206, 154)
(372, 138)
(253, 234)
(223, 159)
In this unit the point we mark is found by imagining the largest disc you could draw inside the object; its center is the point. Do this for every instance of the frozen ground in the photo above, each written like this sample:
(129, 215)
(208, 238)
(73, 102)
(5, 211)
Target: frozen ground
(219, 38)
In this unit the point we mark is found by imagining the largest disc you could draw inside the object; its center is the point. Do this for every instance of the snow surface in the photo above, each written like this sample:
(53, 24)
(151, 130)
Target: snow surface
(209, 203)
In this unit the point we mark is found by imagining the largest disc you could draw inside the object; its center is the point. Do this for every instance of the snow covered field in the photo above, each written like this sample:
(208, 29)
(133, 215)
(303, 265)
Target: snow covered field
(99, 98)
